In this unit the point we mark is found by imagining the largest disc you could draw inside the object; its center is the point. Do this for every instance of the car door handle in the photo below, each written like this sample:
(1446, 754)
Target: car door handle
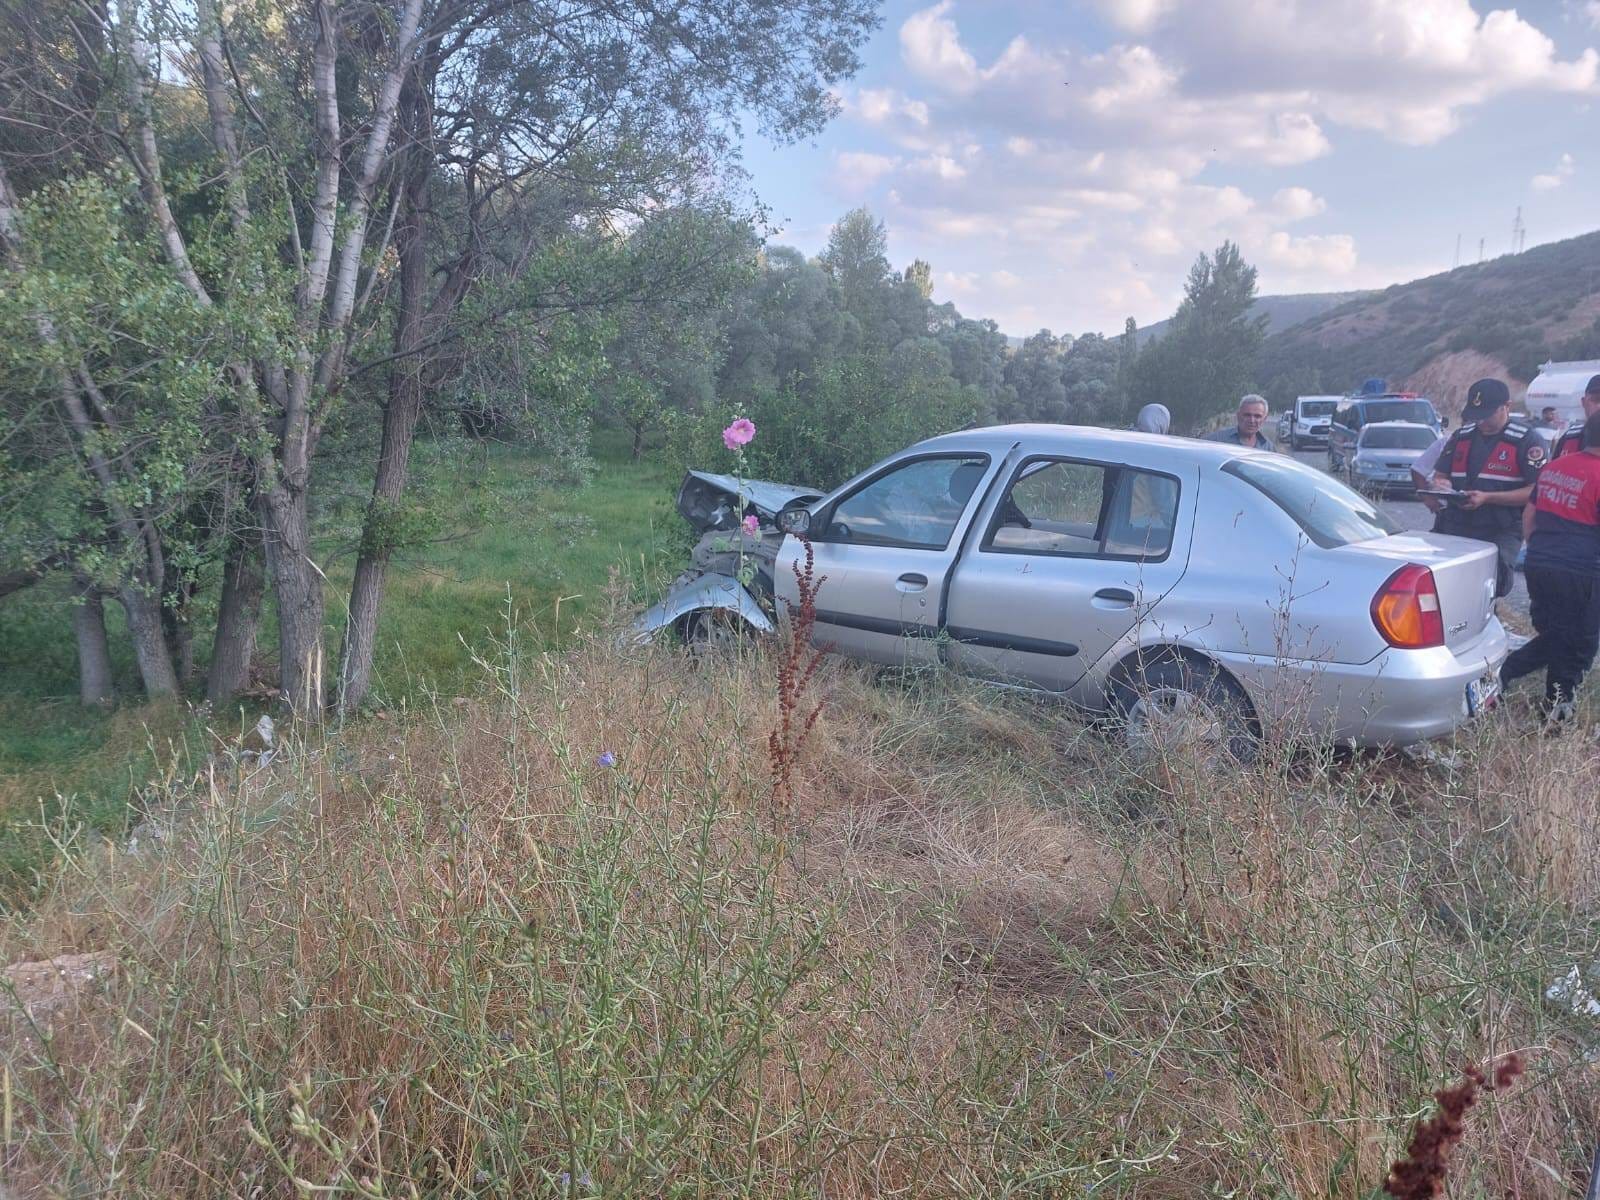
(911, 582)
(1116, 595)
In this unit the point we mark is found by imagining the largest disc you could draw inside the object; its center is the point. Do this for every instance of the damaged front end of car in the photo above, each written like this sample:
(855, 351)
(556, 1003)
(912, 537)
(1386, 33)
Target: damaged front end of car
(727, 591)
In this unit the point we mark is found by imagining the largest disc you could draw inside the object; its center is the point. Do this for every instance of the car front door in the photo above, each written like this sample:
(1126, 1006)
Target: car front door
(883, 552)
(1073, 554)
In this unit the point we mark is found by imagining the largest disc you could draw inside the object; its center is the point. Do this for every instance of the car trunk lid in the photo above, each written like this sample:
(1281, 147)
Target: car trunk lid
(1463, 572)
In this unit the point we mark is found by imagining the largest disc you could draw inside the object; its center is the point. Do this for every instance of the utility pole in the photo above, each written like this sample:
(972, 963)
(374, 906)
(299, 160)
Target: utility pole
(1456, 261)
(1480, 249)
(1519, 233)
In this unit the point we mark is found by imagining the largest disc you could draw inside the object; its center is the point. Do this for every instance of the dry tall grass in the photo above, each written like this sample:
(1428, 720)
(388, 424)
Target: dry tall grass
(976, 953)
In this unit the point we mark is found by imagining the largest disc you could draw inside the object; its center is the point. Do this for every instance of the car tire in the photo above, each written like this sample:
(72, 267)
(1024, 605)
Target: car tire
(1294, 443)
(715, 633)
(1179, 704)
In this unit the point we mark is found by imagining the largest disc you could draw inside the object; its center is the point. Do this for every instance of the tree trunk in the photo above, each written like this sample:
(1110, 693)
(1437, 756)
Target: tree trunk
(15, 581)
(394, 456)
(94, 652)
(180, 633)
(297, 585)
(143, 609)
(238, 614)
(638, 440)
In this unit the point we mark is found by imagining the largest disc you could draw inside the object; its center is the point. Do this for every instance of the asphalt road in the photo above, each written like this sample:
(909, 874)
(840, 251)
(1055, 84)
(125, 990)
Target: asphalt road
(1414, 515)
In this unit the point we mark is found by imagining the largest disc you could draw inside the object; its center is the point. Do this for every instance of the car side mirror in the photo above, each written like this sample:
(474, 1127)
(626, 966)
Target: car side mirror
(795, 520)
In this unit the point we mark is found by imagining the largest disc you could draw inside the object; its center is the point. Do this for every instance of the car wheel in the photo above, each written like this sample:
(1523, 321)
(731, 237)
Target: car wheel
(715, 633)
(1176, 705)
(1294, 442)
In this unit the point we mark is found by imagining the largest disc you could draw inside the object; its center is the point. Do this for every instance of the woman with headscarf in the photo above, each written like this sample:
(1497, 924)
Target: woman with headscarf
(1154, 497)
(1153, 418)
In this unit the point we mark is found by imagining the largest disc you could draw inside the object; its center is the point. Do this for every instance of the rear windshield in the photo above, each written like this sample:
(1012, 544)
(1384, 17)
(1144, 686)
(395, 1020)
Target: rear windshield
(1376, 437)
(1419, 411)
(1318, 408)
(1330, 513)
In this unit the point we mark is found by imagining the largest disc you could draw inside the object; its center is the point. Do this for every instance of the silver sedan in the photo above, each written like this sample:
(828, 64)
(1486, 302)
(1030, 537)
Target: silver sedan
(1162, 581)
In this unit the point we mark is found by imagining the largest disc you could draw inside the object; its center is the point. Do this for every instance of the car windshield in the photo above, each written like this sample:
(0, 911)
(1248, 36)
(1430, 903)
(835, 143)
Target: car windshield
(1376, 437)
(1418, 411)
(1330, 513)
(1318, 408)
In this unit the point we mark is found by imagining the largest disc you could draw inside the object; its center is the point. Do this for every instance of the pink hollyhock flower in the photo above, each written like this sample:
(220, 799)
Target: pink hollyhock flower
(752, 524)
(739, 433)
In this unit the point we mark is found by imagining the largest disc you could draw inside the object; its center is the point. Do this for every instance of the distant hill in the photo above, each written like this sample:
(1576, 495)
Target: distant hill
(1436, 335)
(1281, 311)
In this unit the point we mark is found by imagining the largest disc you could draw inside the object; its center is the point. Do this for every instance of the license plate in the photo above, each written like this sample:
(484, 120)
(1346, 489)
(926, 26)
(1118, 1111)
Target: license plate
(1482, 694)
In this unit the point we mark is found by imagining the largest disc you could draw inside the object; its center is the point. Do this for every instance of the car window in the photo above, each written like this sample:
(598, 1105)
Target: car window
(1317, 408)
(1418, 411)
(1329, 513)
(1377, 437)
(1075, 508)
(918, 504)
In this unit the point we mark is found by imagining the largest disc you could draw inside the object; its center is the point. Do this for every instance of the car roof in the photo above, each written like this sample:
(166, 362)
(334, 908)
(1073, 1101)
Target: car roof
(1043, 438)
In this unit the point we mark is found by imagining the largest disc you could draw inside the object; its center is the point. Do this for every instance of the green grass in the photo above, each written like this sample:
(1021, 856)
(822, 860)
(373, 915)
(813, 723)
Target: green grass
(515, 541)
(511, 539)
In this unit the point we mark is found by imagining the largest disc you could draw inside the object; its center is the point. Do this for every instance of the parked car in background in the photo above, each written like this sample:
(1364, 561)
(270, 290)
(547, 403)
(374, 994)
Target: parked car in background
(1310, 420)
(1383, 454)
(1166, 583)
(1360, 411)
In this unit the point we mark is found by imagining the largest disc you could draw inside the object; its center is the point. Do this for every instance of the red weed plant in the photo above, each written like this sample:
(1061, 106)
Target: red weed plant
(796, 668)
(1420, 1174)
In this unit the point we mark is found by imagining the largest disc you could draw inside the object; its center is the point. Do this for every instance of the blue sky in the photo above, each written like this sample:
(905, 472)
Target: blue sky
(1061, 165)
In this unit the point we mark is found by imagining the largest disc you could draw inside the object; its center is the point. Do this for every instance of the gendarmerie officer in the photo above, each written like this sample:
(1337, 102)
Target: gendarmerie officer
(1570, 439)
(1493, 461)
(1563, 574)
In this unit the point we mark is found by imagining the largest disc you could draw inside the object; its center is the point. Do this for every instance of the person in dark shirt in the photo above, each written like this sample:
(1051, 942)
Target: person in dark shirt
(1570, 439)
(1491, 461)
(1247, 426)
(1563, 573)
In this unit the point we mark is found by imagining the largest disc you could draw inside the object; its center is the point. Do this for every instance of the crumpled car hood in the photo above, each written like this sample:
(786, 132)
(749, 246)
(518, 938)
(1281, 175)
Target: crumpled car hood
(709, 501)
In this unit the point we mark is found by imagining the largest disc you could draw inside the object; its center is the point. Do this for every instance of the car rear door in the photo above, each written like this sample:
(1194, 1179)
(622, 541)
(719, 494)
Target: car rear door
(1072, 555)
(883, 551)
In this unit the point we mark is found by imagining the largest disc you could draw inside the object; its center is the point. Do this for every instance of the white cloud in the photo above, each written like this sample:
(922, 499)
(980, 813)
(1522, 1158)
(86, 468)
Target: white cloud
(1553, 180)
(941, 165)
(958, 283)
(1404, 68)
(856, 171)
(1298, 203)
(1592, 11)
(931, 46)
(1137, 16)
(1331, 254)
(877, 105)
(1055, 178)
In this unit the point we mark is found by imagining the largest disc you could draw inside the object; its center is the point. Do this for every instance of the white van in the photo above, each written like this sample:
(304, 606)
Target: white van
(1313, 416)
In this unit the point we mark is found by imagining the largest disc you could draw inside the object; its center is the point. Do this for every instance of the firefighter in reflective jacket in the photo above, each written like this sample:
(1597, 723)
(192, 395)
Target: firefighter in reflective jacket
(1570, 441)
(1492, 463)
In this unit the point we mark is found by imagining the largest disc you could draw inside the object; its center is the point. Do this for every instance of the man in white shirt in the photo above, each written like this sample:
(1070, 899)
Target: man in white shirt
(1422, 471)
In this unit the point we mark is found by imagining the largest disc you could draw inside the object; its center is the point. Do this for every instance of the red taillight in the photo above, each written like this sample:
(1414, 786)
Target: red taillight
(1406, 609)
